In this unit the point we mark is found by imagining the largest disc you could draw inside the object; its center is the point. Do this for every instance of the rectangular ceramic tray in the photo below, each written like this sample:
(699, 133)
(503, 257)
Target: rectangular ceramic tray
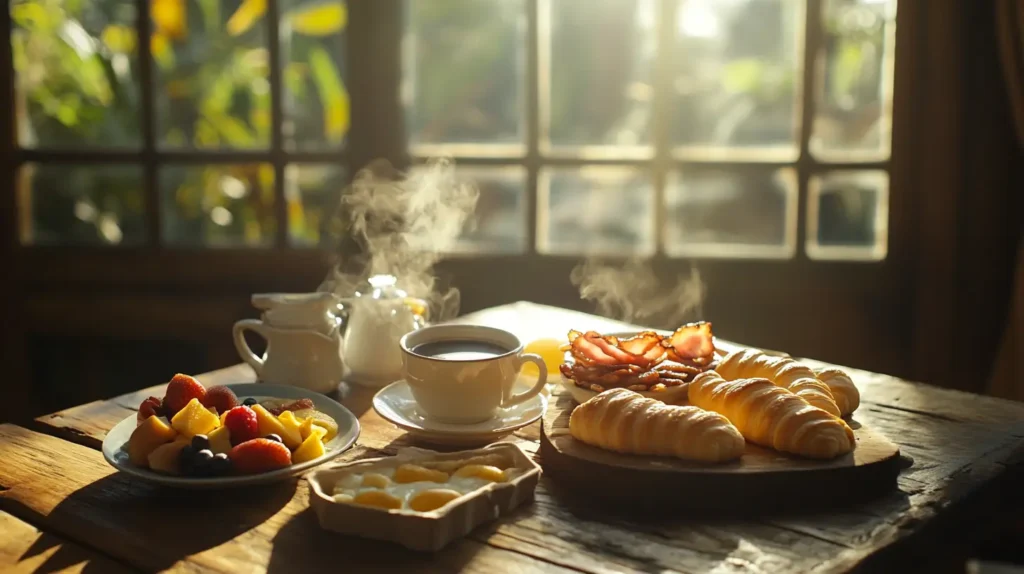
(427, 531)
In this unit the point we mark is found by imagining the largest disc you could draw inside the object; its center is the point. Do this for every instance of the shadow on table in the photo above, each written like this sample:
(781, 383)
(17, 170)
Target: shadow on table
(64, 558)
(302, 544)
(154, 527)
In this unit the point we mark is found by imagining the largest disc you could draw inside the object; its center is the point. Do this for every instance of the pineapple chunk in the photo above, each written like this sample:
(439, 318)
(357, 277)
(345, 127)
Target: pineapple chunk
(165, 457)
(319, 419)
(311, 448)
(152, 433)
(220, 440)
(292, 436)
(194, 419)
(223, 416)
(307, 428)
(268, 423)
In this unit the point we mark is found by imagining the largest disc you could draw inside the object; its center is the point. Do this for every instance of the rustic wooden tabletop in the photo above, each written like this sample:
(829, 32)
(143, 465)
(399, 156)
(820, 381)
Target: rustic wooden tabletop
(63, 507)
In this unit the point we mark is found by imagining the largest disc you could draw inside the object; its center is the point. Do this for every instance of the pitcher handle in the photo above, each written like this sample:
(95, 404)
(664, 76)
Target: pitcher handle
(238, 334)
(542, 379)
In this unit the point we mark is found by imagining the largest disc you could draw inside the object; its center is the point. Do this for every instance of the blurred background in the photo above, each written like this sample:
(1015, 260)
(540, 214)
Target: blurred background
(845, 174)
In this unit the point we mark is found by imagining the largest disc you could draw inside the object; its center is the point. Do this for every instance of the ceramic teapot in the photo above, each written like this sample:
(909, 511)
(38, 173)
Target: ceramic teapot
(378, 315)
(303, 340)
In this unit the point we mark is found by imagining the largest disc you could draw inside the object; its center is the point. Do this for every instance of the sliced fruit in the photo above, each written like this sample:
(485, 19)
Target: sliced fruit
(243, 423)
(194, 419)
(220, 440)
(320, 419)
(223, 416)
(486, 472)
(292, 436)
(307, 428)
(149, 407)
(146, 437)
(180, 391)
(416, 473)
(378, 498)
(221, 398)
(259, 455)
(166, 457)
(432, 499)
(268, 423)
(311, 448)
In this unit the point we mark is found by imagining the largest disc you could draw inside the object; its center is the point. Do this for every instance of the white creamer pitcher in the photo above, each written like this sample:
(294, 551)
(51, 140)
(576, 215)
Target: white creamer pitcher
(303, 340)
(379, 314)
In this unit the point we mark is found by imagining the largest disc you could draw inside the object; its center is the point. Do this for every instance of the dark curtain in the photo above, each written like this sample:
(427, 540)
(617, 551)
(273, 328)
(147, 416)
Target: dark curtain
(1008, 376)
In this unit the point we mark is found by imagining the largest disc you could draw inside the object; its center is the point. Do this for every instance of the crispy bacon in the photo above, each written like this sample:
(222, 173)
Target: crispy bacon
(644, 361)
(692, 341)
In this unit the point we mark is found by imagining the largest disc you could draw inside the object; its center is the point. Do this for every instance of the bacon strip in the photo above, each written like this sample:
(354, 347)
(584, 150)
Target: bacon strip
(692, 341)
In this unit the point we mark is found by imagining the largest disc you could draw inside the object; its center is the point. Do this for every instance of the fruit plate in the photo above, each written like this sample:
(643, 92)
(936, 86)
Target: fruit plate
(348, 431)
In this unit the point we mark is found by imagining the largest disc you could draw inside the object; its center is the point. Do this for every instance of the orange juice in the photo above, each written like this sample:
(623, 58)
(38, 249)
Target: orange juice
(551, 350)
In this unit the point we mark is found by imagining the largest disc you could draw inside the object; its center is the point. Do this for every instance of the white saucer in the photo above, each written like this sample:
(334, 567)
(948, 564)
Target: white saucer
(396, 405)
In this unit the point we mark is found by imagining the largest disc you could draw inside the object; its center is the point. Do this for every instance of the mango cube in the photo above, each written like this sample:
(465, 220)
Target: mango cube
(311, 448)
(220, 440)
(146, 437)
(194, 419)
(268, 423)
(165, 457)
(292, 436)
(319, 419)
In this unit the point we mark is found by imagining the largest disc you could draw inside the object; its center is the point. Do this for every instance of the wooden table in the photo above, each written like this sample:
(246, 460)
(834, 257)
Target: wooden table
(62, 506)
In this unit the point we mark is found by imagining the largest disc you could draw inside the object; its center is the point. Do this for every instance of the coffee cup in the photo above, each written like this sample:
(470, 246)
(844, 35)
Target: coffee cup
(466, 373)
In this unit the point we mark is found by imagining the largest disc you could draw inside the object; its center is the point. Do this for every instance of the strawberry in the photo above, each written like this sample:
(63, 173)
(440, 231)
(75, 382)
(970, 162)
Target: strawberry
(150, 407)
(259, 455)
(242, 424)
(221, 398)
(180, 391)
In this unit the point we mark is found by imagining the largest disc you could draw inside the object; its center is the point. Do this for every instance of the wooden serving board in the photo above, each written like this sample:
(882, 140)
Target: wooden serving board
(762, 480)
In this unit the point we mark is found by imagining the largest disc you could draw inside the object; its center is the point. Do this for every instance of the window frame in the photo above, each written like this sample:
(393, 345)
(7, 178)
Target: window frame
(373, 42)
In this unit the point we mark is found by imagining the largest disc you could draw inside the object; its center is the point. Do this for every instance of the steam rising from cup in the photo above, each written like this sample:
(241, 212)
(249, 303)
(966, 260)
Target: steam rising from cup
(631, 292)
(402, 225)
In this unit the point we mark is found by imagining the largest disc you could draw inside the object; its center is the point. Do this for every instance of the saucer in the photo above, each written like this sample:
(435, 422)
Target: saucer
(396, 405)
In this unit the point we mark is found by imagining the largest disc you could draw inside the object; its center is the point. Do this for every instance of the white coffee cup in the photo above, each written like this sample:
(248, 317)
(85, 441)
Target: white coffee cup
(466, 390)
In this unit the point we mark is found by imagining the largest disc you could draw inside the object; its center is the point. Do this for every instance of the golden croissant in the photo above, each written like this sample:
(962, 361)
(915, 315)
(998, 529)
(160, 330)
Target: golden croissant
(624, 421)
(771, 416)
(843, 390)
(783, 371)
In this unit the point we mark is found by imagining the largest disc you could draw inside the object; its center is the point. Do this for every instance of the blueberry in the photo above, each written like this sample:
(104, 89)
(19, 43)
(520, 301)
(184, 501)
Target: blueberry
(220, 456)
(249, 402)
(274, 438)
(200, 441)
(204, 455)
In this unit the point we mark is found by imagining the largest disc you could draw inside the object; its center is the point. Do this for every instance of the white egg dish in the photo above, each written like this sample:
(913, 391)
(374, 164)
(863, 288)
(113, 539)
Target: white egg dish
(420, 488)
(420, 498)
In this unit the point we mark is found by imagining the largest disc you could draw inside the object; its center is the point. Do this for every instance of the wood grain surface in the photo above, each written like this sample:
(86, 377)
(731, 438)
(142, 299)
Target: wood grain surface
(964, 450)
(761, 480)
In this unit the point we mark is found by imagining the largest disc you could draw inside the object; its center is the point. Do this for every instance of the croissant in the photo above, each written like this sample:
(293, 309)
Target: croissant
(783, 371)
(625, 421)
(772, 416)
(843, 390)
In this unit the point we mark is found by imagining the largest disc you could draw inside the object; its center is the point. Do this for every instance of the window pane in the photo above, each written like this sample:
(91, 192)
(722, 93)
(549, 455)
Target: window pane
(316, 103)
(848, 215)
(855, 94)
(463, 71)
(312, 192)
(601, 64)
(212, 73)
(737, 75)
(218, 205)
(82, 205)
(596, 210)
(500, 219)
(735, 213)
(76, 66)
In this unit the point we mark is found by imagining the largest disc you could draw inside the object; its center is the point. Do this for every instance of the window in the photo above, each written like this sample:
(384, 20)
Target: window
(676, 128)
(679, 128)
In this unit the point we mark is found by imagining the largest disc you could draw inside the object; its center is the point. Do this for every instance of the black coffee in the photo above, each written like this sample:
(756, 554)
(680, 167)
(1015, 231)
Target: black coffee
(460, 350)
